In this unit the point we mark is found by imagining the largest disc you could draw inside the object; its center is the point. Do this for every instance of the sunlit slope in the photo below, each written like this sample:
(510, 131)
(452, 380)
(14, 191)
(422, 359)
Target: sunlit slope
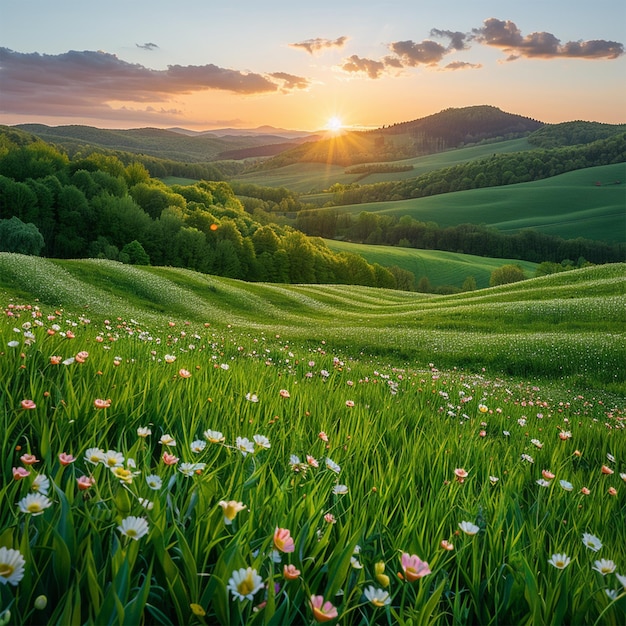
(314, 177)
(565, 324)
(569, 205)
(441, 268)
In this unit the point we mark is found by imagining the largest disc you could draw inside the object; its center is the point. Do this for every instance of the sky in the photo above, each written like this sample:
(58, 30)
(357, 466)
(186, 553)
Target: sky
(202, 65)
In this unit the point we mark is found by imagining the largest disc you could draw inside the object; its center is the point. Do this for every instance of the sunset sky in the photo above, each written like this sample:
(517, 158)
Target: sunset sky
(200, 64)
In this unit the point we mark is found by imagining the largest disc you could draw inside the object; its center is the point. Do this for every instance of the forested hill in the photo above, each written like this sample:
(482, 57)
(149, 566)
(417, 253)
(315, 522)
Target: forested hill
(98, 207)
(447, 129)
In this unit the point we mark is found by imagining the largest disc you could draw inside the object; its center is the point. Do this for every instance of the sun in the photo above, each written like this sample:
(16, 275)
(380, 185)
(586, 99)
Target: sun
(334, 124)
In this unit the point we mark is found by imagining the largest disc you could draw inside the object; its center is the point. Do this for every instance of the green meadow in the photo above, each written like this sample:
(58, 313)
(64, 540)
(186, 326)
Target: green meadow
(185, 449)
(308, 178)
(569, 205)
(441, 268)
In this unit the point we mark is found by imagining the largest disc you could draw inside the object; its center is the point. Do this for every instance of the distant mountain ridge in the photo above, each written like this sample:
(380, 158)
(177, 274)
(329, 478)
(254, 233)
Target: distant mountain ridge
(246, 132)
(273, 147)
(170, 144)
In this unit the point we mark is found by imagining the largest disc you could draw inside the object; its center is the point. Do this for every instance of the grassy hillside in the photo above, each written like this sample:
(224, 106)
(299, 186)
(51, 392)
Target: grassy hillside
(441, 268)
(570, 205)
(569, 324)
(314, 177)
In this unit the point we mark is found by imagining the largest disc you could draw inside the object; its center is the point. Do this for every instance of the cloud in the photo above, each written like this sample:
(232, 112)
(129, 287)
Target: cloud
(355, 64)
(147, 46)
(290, 82)
(457, 39)
(319, 45)
(412, 54)
(508, 37)
(462, 65)
(89, 80)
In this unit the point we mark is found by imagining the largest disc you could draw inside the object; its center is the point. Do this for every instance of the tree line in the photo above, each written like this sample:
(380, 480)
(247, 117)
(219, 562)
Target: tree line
(499, 169)
(480, 240)
(99, 207)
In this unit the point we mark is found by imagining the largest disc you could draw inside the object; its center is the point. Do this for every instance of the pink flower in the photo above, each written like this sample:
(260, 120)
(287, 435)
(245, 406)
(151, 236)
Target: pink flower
(547, 474)
(66, 459)
(323, 436)
(82, 356)
(322, 611)
(460, 474)
(28, 404)
(330, 518)
(101, 404)
(413, 567)
(283, 541)
(85, 482)
(350, 403)
(606, 470)
(446, 545)
(290, 572)
(20, 472)
(29, 459)
(169, 459)
(284, 393)
(612, 491)
(183, 373)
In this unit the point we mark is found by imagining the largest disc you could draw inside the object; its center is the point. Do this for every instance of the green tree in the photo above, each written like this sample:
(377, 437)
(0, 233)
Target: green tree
(506, 274)
(134, 254)
(469, 284)
(424, 285)
(16, 236)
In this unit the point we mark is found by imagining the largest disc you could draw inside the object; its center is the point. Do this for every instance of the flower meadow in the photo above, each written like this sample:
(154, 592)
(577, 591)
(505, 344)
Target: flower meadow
(170, 472)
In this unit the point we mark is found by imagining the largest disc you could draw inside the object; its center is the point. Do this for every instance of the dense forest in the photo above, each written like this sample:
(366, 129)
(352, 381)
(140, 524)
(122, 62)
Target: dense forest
(99, 207)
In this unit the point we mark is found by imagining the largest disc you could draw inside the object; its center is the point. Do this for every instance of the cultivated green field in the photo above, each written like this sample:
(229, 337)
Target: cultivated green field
(569, 205)
(309, 178)
(183, 449)
(441, 268)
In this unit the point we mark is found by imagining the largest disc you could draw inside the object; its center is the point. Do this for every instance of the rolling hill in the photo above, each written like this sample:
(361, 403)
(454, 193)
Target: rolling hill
(570, 205)
(441, 268)
(575, 319)
(170, 144)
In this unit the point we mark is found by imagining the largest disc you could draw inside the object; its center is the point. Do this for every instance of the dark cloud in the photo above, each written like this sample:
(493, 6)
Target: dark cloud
(147, 46)
(355, 64)
(317, 45)
(508, 37)
(458, 41)
(88, 79)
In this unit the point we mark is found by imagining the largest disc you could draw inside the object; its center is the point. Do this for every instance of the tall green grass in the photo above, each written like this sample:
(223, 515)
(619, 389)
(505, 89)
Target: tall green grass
(362, 445)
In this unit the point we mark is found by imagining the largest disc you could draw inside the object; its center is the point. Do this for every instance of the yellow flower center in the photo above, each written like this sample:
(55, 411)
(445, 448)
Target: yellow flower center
(34, 507)
(246, 586)
(6, 570)
(131, 532)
